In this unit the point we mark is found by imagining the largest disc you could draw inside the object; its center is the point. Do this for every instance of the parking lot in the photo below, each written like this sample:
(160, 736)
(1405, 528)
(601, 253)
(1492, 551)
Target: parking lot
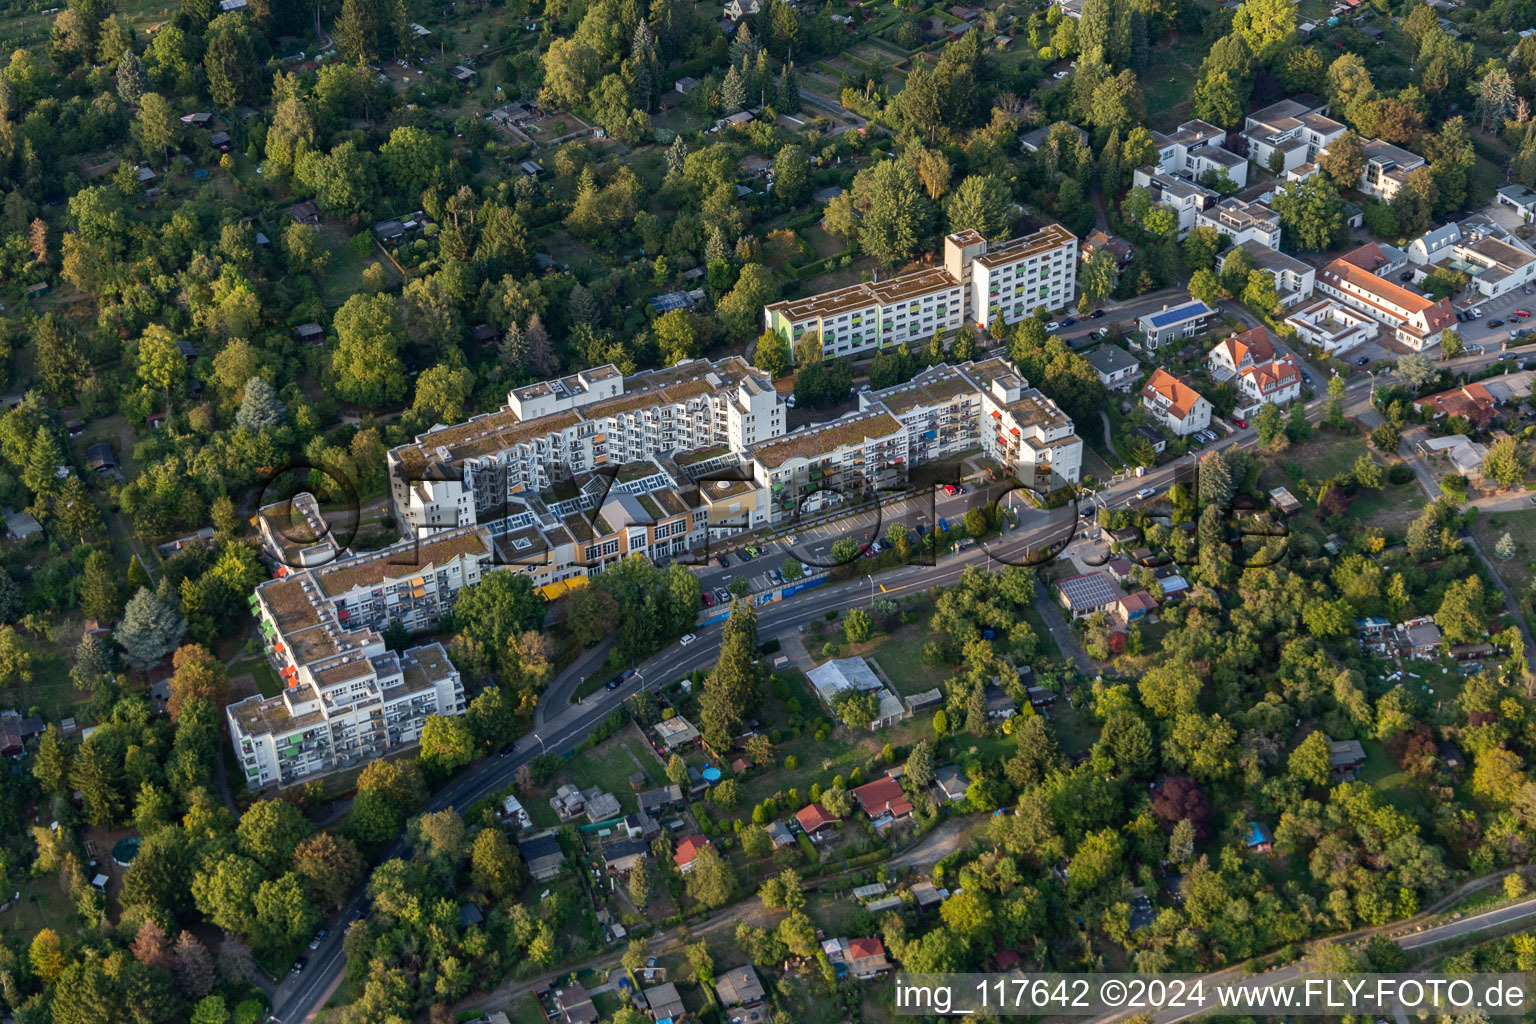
(1482, 331)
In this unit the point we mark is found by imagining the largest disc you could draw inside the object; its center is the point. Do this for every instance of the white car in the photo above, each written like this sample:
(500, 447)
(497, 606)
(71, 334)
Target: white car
(1477, 312)
(1060, 75)
(688, 639)
(1053, 326)
(1102, 332)
(1146, 492)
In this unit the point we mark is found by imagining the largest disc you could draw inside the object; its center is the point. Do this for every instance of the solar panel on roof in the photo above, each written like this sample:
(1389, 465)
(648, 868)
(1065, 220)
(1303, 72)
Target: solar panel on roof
(1184, 312)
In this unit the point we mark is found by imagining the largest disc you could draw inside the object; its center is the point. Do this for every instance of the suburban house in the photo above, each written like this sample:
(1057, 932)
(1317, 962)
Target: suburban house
(740, 987)
(1259, 376)
(883, 801)
(675, 734)
(1185, 198)
(1238, 352)
(843, 674)
(1418, 638)
(1497, 262)
(543, 855)
(1519, 198)
(1032, 141)
(15, 730)
(1354, 279)
(1088, 593)
(1242, 221)
(813, 818)
(1298, 128)
(1098, 240)
(688, 850)
(1135, 607)
(1386, 168)
(1346, 757)
(1332, 326)
(1174, 404)
(621, 856)
(1196, 148)
(865, 958)
(1182, 321)
(1117, 368)
(1474, 402)
(575, 1005)
(1294, 280)
(664, 798)
(951, 781)
(663, 1003)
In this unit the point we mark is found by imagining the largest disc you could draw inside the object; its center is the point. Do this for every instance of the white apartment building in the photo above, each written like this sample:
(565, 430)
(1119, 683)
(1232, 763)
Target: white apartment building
(497, 469)
(1175, 405)
(1497, 261)
(1196, 147)
(346, 698)
(1386, 168)
(1185, 198)
(1261, 377)
(1294, 280)
(1172, 322)
(1332, 326)
(978, 282)
(1297, 127)
(1242, 222)
(1414, 320)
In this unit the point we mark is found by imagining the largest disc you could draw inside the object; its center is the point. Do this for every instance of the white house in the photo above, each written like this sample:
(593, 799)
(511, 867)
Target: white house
(1497, 262)
(1174, 404)
(1354, 279)
(1332, 326)
(1294, 280)
(1185, 198)
(1386, 168)
(1242, 222)
(1299, 128)
(1518, 197)
(1195, 148)
(1117, 368)
(1261, 378)
(1182, 321)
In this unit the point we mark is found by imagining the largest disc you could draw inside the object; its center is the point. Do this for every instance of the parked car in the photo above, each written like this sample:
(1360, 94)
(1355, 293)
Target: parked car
(722, 595)
(1146, 492)
(614, 683)
(1363, 361)
(1406, 275)
(299, 965)
(1495, 323)
(1095, 314)
(708, 599)
(320, 935)
(725, 561)
(688, 638)
(1522, 313)
(1102, 332)
(1477, 312)
(1241, 423)
(1069, 321)
(751, 550)
(1053, 326)
(745, 554)
(1306, 377)
(1060, 75)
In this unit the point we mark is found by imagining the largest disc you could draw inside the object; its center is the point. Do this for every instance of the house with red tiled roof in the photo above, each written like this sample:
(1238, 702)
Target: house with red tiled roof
(688, 851)
(1472, 401)
(1415, 320)
(883, 801)
(814, 817)
(1237, 352)
(1174, 404)
(866, 958)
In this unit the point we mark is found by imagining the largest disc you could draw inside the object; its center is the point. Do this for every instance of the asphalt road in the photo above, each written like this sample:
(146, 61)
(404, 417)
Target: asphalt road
(298, 997)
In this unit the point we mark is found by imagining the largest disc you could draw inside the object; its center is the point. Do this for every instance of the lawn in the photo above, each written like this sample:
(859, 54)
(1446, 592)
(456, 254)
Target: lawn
(1170, 81)
(1391, 508)
(900, 657)
(609, 765)
(1390, 780)
(1521, 526)
(258, 667)
(1327, 454)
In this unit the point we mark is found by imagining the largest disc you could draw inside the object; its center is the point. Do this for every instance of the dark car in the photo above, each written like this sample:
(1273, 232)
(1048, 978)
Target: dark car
(1363, 361)
(614, 683)
(1406, 275)
(300, 964)
(1069, 321)
(725, 563)
(1495, 323)
(1095, 314)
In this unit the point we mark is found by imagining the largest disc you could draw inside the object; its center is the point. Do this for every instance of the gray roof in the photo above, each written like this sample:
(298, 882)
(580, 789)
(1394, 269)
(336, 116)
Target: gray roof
(1089, 591)
(739, 985)
(1108, 359)
(841, 674)
(538, 847)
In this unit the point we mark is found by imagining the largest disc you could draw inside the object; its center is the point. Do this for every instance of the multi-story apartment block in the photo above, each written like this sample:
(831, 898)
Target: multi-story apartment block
(517, 468)
(1415, 320)
(1195, 148)
(978, 283)
(1294, 280)
(1332, 326)
(850, 459)
(1174, 404)
(1261, 378)
(1497, 261)
(1242, 222)
(346, 698)
(1386, 168)
(1299, 128)
(1185, 198)
(1171, 322)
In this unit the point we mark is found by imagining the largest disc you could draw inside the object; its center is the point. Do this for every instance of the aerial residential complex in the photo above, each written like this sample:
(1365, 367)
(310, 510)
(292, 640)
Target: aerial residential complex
(978, 283)
(1356, 279)
(346, 698)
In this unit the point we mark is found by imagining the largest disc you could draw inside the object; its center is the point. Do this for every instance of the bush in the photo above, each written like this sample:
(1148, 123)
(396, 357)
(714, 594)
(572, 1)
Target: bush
(771, 646)
(249, 1012)
(1399, 473)
(808, 848)
(791, 763)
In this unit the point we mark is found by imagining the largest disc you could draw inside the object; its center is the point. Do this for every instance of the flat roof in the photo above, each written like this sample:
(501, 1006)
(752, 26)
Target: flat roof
(1178, 314)
(825, 438)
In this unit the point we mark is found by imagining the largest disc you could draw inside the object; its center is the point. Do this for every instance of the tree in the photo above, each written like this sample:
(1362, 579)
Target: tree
(1461, 617)
(46, 955)
(446, 742)
(640, 884)
(733, 92)
(857, 626)
(1311, 212)
(711, 880)
(50, 766)
(197, 674)
(368, 369)
(270, 831)
(771, 354)
(1417, 369)
(1344, 160)
(981, 203)
(920, 764)
(260, 408)
(442, 393)
(210, 1010)
(230, 61)
(1101, 274)
(156, 127)
(1217, 100)
(131, 80)
(332, 866)
(1311, 761)
(1267, 26)
(895, 211)
(741, 309)
(161, 364)
(99, 597)
(192, 965)
(149, 630)
(791, 175)
(1507, 462)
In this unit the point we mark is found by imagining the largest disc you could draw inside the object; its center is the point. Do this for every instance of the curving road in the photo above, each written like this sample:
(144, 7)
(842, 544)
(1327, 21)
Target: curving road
(299, 997)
